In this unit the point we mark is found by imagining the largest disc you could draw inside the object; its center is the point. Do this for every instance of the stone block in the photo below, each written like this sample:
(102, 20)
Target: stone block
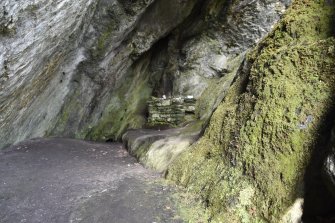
(172, 111)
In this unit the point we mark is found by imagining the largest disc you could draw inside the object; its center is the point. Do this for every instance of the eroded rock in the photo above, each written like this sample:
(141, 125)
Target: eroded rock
(85, 69)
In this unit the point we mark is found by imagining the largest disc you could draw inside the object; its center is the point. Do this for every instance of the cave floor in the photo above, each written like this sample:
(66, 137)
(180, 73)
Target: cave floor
(66, 180)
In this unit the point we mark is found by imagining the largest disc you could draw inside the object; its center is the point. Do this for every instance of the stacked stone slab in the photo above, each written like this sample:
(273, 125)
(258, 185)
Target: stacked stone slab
(170, 111)
(189, 104)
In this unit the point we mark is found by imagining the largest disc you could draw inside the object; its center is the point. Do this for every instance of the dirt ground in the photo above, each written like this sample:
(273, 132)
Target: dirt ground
(65, 180)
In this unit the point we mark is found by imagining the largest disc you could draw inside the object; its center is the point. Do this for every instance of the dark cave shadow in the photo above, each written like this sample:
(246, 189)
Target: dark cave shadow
(319, 202)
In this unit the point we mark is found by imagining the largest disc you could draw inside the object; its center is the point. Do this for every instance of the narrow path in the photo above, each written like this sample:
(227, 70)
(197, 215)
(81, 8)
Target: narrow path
(65, 180)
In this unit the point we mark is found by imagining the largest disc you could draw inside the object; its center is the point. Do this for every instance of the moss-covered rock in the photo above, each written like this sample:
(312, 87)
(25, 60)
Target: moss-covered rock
(7, 25)
(127, 107)
(157, 149)
(249, 165)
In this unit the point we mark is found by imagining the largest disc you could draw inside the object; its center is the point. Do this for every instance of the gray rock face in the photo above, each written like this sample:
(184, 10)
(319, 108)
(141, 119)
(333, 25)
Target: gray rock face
(86, 68)
(230, 30)
(114, 80)
(43, 36)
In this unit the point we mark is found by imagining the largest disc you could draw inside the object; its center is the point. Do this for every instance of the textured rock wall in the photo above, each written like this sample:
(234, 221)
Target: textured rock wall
(115, 82)
(165, 67)
(251, 162)
(38, 52)
(61, 61)
(85, 69)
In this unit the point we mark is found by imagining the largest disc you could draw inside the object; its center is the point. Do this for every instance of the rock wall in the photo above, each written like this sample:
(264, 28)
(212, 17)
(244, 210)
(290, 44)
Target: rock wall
(85, 69)
(61, 61)
(114, 83)
(165, 67)
(250, 164)
(39, 50)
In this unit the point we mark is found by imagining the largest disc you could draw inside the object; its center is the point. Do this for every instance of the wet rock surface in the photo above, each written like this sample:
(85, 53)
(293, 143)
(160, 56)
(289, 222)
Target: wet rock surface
(65, 180)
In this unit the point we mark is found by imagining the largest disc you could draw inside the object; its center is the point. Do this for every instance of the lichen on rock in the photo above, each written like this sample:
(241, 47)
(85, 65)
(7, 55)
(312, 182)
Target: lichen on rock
(254, 139)
(203, 56)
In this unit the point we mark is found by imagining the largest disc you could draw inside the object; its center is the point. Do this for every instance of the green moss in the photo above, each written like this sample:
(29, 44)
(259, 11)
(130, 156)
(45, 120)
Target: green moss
(261, 136)
(127, 107)
(66, 116)
(32, 9)
(103, 41)
(192, 128)
(4, 30)
(158, 124)
(189, 208)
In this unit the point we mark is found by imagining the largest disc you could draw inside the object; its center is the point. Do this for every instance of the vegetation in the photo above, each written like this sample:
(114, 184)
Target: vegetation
(249, 165)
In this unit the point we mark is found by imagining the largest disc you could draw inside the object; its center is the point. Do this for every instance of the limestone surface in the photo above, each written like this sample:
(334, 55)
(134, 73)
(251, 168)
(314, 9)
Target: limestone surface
(86, 68)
